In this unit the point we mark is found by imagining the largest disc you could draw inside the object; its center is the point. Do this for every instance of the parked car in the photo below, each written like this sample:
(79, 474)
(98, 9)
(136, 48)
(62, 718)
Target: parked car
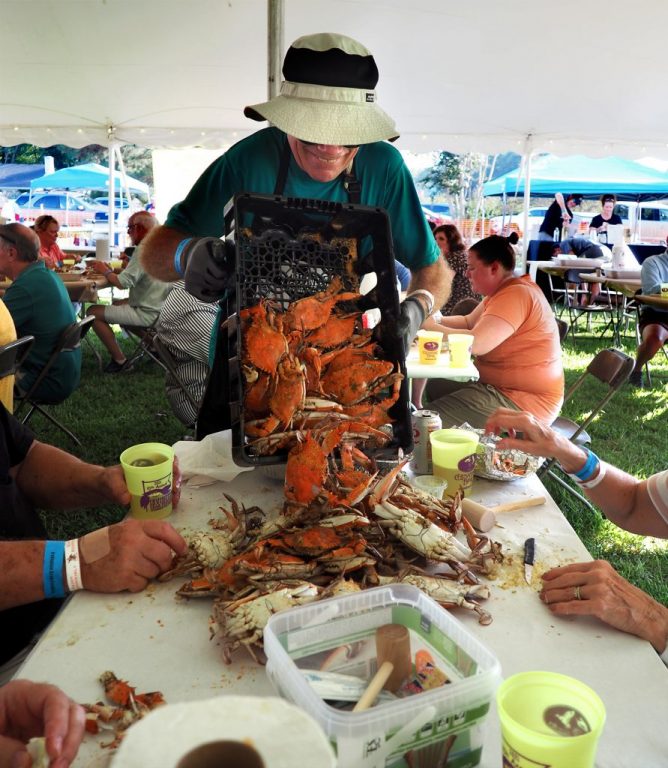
(74, 210)
(644, 222)
(119, 202)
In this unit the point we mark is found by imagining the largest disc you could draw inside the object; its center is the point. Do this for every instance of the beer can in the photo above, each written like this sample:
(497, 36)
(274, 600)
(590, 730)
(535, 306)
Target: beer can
(424, 423)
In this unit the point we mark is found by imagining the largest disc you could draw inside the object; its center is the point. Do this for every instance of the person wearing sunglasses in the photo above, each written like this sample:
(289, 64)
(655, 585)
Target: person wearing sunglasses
(327, 140)
(146, 295)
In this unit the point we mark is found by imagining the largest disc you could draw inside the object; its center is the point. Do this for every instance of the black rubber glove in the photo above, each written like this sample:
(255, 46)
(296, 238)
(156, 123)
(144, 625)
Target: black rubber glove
(209, 267)
(411, 317)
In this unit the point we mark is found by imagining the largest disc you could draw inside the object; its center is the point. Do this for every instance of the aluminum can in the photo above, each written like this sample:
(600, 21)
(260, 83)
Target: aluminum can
(424, 423)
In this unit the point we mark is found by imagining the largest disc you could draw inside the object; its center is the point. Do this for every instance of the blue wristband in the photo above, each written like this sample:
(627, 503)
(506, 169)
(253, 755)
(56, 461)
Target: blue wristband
(177, 255)
(587, 472)
(52, 573)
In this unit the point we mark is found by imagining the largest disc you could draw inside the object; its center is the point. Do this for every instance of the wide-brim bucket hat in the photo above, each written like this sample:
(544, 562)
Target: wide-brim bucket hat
(328, 95)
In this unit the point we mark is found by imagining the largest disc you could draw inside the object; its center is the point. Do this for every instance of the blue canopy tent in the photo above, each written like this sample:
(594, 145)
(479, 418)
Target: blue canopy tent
(19, 175)
(92, 176)
(583, 176)
(86, 176)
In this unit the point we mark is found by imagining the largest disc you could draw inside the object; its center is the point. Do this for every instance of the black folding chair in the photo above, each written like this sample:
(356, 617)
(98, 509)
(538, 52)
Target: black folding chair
(13, 354)
(144, 337)
(69, 340)
(611, 368)
(563, 327)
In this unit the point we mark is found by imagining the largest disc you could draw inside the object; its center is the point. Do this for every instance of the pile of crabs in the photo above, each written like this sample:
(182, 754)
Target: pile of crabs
(317, 386)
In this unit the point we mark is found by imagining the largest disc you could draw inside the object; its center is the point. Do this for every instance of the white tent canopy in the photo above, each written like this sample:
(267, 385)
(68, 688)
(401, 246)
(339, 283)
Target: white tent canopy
(461, 75)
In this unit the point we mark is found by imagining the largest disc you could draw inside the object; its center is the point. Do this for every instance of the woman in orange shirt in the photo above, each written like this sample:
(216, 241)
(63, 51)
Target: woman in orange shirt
(515, 344)
(47, 228)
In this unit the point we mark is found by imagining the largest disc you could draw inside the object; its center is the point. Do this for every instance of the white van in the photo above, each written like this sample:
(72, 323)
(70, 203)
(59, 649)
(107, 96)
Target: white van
(644, 222)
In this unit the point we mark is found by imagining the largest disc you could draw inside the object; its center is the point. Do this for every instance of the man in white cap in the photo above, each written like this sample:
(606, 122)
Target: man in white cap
(328, 141)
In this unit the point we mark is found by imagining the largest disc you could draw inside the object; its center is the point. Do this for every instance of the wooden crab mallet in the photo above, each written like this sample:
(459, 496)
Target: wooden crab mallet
(484, 518)
(393, 653)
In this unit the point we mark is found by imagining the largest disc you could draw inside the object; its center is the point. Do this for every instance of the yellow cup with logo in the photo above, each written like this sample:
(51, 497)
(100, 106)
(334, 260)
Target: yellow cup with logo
(664, 291)
(460, 349)
(148, 473)
(453, 454)
(429, 346)
(549, 719)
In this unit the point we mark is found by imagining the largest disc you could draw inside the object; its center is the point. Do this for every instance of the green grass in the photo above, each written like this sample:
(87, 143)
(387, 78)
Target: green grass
(112, 412)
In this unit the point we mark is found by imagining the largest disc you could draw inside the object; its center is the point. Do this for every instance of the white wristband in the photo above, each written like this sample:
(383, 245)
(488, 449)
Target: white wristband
(602, 469)
(73, 565)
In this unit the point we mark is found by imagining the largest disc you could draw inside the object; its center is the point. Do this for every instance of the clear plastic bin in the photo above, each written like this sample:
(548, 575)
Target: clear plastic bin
(446, 719)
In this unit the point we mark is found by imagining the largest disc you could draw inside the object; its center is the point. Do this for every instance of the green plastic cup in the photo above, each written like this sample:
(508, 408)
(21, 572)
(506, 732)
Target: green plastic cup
(148, 473)
(453, 454)
(549, 719)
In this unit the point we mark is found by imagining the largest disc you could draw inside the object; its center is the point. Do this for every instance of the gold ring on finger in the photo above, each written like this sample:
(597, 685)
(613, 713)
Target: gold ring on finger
(578, 596)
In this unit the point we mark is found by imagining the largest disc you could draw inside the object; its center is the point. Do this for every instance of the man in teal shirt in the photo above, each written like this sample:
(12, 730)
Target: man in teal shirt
(40, 306)
(328, 141)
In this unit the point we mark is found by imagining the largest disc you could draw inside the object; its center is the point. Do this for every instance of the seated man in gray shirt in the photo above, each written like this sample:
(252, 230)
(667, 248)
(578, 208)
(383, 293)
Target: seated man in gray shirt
(146, 294)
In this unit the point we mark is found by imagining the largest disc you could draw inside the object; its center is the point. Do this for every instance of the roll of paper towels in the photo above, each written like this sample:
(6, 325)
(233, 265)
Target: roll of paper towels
(282, 735)
(102, 249)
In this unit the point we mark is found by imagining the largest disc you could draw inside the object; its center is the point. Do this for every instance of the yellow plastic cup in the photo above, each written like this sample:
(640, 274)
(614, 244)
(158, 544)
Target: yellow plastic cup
(148, 473)
(549, 719)
(429, 346)
(453, 454)
(460, 349)
(115, 263)
(69, 262)
(431, 484)
(664, 290)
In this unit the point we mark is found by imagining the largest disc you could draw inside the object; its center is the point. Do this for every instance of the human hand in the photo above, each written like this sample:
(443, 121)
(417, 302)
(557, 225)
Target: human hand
(536, 437)
(116, 490)
(177, 479)
(596, 589)
(208, 265)
(566, 217)
(411, 316)
(29, 710)
(136, 552)
(99, 266)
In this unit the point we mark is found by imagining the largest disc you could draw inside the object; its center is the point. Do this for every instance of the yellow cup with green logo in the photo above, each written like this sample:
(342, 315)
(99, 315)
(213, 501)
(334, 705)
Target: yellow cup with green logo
(453, 454)
(460, 349)
(148, 473)
(549, 719)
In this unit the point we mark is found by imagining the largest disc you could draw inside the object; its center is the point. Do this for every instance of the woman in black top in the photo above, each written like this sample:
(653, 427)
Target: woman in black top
(599, 224)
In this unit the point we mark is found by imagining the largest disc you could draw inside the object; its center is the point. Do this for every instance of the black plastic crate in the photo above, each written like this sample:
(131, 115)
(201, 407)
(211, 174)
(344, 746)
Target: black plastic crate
(287, 249)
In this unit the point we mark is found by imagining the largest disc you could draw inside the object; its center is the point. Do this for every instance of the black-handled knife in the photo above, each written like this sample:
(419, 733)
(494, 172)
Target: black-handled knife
(529, 556)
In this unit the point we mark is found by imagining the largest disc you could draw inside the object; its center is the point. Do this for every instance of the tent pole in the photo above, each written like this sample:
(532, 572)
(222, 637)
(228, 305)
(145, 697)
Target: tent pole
(527, 195)
(275, 27)
(111, 191)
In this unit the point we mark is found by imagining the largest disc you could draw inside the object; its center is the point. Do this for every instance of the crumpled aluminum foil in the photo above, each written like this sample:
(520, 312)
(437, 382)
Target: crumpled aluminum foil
(509, 464)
